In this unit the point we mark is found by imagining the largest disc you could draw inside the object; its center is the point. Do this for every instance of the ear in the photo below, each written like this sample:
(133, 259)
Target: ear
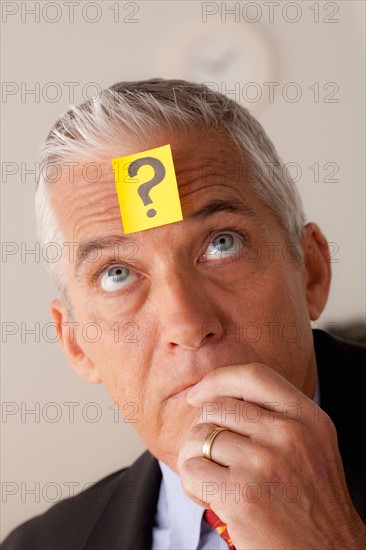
(68, 334)
(317, 269)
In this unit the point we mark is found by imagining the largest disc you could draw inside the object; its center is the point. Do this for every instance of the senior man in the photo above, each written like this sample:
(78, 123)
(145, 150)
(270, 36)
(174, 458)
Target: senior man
(222, 301)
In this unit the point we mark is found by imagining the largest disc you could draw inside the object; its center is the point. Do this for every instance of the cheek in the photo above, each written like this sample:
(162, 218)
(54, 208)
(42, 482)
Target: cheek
(269, 297)
(116, 350)
(118, 347)
(270, 317)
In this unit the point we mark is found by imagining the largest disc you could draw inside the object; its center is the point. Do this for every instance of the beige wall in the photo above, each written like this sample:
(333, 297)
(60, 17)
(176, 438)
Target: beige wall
(163, 42)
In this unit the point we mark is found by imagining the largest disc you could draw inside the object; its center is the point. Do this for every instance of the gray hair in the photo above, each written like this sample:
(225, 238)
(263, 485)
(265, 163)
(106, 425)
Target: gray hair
(154, 107)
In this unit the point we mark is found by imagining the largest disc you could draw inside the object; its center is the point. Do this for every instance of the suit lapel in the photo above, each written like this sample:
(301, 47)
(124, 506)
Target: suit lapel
(127, 520)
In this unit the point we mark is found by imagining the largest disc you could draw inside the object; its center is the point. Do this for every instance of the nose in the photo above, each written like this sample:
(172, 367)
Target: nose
(188, 315)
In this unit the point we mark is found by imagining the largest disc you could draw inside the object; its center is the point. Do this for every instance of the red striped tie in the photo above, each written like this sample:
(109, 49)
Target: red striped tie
(215, 522)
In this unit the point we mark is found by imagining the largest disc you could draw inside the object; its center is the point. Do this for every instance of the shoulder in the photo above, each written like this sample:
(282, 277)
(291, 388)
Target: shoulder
(341, 366)
(65, 521)
(70, 522)
(327, 344)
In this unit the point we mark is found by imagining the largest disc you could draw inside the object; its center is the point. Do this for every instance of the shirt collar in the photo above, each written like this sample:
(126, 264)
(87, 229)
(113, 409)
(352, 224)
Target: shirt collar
(180, 511)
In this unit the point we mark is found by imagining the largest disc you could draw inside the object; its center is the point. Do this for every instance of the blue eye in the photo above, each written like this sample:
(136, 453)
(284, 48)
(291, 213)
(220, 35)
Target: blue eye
(116, 277)
(223, 246)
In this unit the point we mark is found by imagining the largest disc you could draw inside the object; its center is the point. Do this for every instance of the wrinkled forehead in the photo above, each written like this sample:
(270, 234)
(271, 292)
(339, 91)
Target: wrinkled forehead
(207, 167)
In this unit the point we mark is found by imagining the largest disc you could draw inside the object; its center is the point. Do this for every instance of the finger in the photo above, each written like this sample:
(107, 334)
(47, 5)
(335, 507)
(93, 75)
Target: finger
(201, 479)
(238, 416)
(253, 382)
(227, 449)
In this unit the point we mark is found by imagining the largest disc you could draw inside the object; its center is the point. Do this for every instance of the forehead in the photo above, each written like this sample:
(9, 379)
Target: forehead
(207, 168)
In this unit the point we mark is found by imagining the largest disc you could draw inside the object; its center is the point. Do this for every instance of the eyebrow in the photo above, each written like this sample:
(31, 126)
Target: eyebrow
(223, 205)
(203, 213)
(106, 243)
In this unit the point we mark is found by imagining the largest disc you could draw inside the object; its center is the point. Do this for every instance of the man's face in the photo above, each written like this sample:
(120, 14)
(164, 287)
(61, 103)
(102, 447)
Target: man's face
(175, 302)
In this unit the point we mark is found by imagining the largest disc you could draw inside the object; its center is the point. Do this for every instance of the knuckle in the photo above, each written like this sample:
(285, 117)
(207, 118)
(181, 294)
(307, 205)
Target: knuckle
(264, 462)
(201, 430)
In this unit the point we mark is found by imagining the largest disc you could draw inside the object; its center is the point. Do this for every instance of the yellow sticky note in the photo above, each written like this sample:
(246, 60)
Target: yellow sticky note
(147, 189)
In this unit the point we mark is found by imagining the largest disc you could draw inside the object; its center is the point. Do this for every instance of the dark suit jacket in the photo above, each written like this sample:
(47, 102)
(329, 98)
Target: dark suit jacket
(118, 512)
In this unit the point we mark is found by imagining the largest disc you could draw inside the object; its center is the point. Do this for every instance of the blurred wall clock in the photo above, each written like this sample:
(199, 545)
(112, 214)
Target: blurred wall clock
(237, 59)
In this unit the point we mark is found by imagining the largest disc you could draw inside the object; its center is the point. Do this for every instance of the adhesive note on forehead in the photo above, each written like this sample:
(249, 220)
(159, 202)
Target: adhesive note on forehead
(147, 189)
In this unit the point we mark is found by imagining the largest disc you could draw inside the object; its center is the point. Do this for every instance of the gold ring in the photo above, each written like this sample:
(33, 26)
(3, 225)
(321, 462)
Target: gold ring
(207, 444)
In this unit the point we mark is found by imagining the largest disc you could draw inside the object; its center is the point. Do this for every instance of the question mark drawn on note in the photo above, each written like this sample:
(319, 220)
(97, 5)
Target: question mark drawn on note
(145, 188)
(153, 168)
